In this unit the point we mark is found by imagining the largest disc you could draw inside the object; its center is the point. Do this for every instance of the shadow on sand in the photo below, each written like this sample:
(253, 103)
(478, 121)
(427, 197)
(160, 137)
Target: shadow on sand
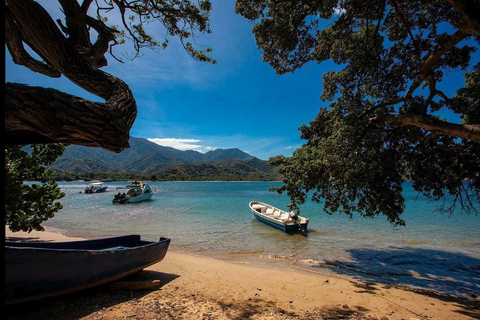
(29, 239)
(448, 276)
(83, 303)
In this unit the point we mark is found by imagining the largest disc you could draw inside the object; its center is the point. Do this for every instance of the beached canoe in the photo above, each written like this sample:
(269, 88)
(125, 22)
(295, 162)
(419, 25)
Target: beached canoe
(288, 222)
(36, 270)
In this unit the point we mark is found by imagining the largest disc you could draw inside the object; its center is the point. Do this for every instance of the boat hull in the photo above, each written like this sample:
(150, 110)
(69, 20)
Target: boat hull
(143, 197)
(40, 270)
(285, 226)
(99, 190)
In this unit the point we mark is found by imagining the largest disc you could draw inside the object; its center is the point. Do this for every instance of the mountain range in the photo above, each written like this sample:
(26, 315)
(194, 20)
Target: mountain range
(147, 158)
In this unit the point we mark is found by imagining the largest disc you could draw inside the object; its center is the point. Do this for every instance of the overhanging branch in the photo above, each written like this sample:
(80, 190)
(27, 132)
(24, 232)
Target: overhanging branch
(40, 115)
(35, 114)
(464, 131)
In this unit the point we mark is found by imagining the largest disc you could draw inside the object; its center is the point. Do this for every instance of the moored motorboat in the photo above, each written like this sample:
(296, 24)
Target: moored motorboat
(36, 270)
(133, 193)
(95, 187)
(288, 222)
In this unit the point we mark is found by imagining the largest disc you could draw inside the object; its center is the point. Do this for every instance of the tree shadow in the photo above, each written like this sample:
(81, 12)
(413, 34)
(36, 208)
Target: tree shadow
(448, 276)
(24, 239)
(85, 302)
(269, 309)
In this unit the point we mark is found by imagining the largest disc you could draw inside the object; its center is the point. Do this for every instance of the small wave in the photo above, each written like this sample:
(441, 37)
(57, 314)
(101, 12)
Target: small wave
(414, 241)
(468, 244)
(312, 262)
(55, 230)
(280, 257)
(246, 252)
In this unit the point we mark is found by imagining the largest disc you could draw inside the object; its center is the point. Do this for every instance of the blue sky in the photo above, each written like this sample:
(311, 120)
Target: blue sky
(237, 103)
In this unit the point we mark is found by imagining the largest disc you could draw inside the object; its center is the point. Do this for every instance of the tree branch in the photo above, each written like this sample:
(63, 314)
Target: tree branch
(42, 34)
(40, 115)
(469, 12)
(464, 131)
(76, 26)
(439, 51)
(14, 42)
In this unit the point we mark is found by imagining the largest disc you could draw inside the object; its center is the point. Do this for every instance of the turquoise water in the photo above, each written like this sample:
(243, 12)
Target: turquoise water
(434, 251)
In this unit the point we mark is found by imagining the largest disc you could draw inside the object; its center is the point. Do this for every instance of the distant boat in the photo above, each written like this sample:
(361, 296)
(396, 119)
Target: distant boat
(95, 187)
(288, 222)
(37, 270)
(133, 193)
(107, 180)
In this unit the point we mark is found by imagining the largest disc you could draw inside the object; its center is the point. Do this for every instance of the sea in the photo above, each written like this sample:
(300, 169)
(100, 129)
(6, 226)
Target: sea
(435, 251)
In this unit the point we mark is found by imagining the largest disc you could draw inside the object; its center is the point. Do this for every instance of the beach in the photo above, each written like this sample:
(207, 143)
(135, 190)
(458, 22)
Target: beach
(196, 287)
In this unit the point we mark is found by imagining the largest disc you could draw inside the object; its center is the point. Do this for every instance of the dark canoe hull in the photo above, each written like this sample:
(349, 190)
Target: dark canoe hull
(36, 270)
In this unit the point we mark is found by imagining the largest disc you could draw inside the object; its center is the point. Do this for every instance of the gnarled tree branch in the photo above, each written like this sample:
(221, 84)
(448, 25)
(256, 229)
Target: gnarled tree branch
(37, 29)
(39, 115)
(14, 42)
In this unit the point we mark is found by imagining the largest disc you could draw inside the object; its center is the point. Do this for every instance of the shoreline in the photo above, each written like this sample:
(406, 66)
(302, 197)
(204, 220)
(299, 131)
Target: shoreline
(198, 287)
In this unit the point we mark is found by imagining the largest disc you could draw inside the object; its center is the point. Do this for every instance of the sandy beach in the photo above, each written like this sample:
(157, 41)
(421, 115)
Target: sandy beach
(194, 287)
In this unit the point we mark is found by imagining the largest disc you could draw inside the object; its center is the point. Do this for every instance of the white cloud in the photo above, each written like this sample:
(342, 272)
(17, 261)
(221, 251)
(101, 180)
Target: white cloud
(181, 144)
(262, 148)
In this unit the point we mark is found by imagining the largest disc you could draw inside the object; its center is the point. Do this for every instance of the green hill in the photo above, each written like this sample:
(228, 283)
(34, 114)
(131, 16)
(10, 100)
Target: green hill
(145, 159)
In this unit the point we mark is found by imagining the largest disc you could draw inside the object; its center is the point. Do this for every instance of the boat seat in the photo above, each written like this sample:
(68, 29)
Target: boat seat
(269, 211)
(259, 208)
(277, 214)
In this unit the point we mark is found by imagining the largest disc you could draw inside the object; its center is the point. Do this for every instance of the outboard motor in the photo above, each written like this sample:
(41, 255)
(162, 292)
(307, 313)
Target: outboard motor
(296, 219)
(294, 216)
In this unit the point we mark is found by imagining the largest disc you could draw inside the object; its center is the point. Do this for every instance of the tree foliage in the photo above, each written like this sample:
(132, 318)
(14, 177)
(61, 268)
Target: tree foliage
(27, 205)
(382, 123)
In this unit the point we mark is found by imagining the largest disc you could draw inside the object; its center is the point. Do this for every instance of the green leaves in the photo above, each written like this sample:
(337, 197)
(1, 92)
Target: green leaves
(144, 21)
(27, 205)
(392, 57)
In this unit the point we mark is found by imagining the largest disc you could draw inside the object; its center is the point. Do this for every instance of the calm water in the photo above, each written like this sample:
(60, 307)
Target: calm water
(434, 251)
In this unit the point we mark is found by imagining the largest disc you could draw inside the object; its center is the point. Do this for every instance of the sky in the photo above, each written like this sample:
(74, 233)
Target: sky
(237, 103)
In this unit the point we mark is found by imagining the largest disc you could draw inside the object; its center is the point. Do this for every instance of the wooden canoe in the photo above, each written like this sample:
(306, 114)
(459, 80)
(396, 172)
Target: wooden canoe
(36, 270)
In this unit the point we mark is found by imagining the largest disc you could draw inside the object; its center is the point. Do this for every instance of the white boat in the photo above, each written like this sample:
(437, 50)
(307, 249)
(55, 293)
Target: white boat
(95, 187)
(133, 193)
(288, 222)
